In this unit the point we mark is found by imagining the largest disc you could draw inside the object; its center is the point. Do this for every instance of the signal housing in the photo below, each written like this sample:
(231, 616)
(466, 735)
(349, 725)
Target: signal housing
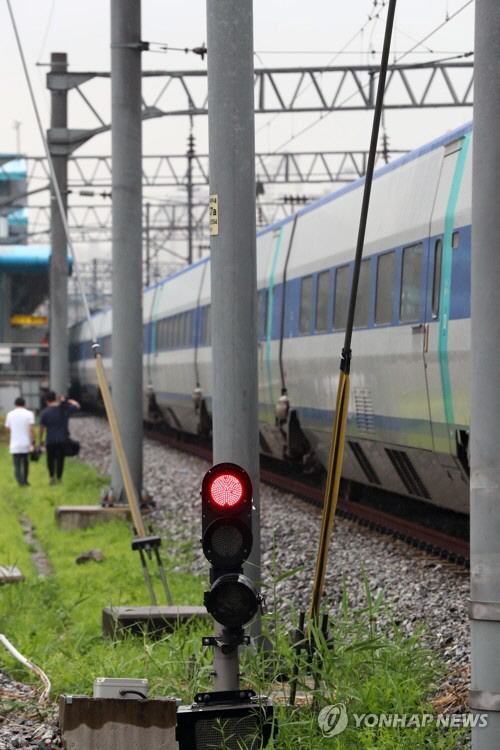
(226, 499)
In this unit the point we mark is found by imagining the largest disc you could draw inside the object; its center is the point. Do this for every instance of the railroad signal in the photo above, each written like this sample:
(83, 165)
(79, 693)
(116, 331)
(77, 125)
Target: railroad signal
(228, 716)
(226, 501)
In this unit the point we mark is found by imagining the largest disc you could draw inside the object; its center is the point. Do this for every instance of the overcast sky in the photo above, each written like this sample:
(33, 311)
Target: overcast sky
(304, 33)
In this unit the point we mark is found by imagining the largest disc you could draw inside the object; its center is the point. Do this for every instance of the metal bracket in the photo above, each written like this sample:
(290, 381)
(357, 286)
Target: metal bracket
(150, 544)
(484, 611)
(65, 81)
(484, 700)
(146, 542)
(140, 46)
(225, 696)
(63, 141)
(226, 640)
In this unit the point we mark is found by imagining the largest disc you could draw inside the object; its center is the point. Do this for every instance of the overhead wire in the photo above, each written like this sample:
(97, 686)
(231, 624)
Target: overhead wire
(47, 29)
(440, 26)
(351, 51)
(323, 115)
(330, 62)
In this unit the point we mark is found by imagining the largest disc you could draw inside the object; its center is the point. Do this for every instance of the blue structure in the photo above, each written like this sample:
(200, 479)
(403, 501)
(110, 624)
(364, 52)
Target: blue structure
(24, 282)
(13, 197)
(26, 259)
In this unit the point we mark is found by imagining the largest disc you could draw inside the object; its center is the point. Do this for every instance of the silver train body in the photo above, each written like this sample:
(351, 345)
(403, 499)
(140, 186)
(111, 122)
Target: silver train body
(408, 422)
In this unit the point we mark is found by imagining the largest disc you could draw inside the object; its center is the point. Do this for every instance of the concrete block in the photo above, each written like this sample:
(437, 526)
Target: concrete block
(10, 574)
(81, 516)
(117, 723)
(118, 621)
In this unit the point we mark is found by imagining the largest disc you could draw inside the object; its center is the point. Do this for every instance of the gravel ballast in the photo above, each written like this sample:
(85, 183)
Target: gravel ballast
(420, 588)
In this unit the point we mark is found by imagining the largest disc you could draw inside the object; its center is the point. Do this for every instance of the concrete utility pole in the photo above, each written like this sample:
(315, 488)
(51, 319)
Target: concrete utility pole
(58, 274)
(233, 256)
(484, 608)
(126, 150)
(148, 243)
(17, 128)
(190, 155)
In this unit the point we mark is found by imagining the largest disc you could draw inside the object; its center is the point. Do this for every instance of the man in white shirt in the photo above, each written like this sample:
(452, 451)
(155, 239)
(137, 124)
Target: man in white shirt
(20, 423)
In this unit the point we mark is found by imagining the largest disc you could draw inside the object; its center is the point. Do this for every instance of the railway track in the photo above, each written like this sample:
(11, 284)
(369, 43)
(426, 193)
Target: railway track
(452, 549)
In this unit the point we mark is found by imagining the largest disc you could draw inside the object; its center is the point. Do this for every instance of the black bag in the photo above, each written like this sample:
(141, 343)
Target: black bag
(35, 454)
(71, 447)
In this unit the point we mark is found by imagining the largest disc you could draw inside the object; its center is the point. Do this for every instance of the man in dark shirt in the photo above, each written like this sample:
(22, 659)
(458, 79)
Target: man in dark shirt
(54, 418)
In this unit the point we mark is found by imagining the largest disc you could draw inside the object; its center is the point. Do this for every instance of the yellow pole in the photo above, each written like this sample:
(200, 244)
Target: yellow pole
(130, 490)
(331, 491)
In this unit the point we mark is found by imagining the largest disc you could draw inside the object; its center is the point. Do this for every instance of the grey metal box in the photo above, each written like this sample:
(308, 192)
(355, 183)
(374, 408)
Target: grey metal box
(120, 687)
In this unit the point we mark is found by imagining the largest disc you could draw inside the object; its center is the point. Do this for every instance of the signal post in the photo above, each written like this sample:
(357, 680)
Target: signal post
(233, 243)
(233, 602)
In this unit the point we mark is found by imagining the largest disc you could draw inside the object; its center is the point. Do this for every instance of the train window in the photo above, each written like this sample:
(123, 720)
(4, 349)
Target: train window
(411, 284)
(159, 335)
(173, 331)
(265, 302)
(262, 313)
(305, 315)
(164, 337)
(384, 301)
(203, 325)
(189, 328)
(208, 326)
(436, 282)
(180, 329)
(183, 340)
(341, 297)
(455, 239)
(182, 320)
(260, 302)
(165, 333)
(322, 301)
(362, 312)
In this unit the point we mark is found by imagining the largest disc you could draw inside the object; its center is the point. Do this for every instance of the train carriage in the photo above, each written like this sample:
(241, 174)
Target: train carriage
(408, 420)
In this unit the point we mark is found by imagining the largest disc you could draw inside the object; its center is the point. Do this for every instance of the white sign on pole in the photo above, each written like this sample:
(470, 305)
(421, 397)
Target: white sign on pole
(5, 358)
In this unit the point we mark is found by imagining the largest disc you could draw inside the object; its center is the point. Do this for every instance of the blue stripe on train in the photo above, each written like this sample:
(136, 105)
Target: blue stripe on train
(459, 305)
(322, 419)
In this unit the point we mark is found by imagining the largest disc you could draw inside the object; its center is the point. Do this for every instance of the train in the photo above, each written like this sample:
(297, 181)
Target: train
(408, 420)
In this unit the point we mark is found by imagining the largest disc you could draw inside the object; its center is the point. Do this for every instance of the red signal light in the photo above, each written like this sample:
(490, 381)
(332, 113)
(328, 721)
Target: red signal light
(226, 491)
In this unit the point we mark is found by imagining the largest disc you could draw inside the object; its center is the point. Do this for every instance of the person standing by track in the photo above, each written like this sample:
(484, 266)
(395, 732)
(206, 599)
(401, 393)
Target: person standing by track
(54, 418)
(20, 423)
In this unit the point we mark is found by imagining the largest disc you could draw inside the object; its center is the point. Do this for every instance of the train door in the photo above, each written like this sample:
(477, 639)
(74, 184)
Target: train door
(269, 300)
(153, 346)
(443, 243)
(407, 400)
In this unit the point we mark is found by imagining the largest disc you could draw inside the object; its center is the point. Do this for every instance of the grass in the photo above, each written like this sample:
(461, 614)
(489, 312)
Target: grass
(56, 622)
(369, 668)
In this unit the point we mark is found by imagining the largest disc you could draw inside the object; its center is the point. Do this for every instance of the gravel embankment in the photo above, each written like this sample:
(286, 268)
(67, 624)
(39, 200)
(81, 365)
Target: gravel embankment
(419, 587)
(22, 724)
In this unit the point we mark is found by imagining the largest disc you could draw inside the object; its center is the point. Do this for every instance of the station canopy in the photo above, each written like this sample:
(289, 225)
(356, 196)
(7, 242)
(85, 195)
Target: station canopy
(26, 259)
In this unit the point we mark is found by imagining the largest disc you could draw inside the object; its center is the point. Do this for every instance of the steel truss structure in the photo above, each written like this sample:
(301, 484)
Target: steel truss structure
(279, 90)
(92, 223)
(170, 170)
